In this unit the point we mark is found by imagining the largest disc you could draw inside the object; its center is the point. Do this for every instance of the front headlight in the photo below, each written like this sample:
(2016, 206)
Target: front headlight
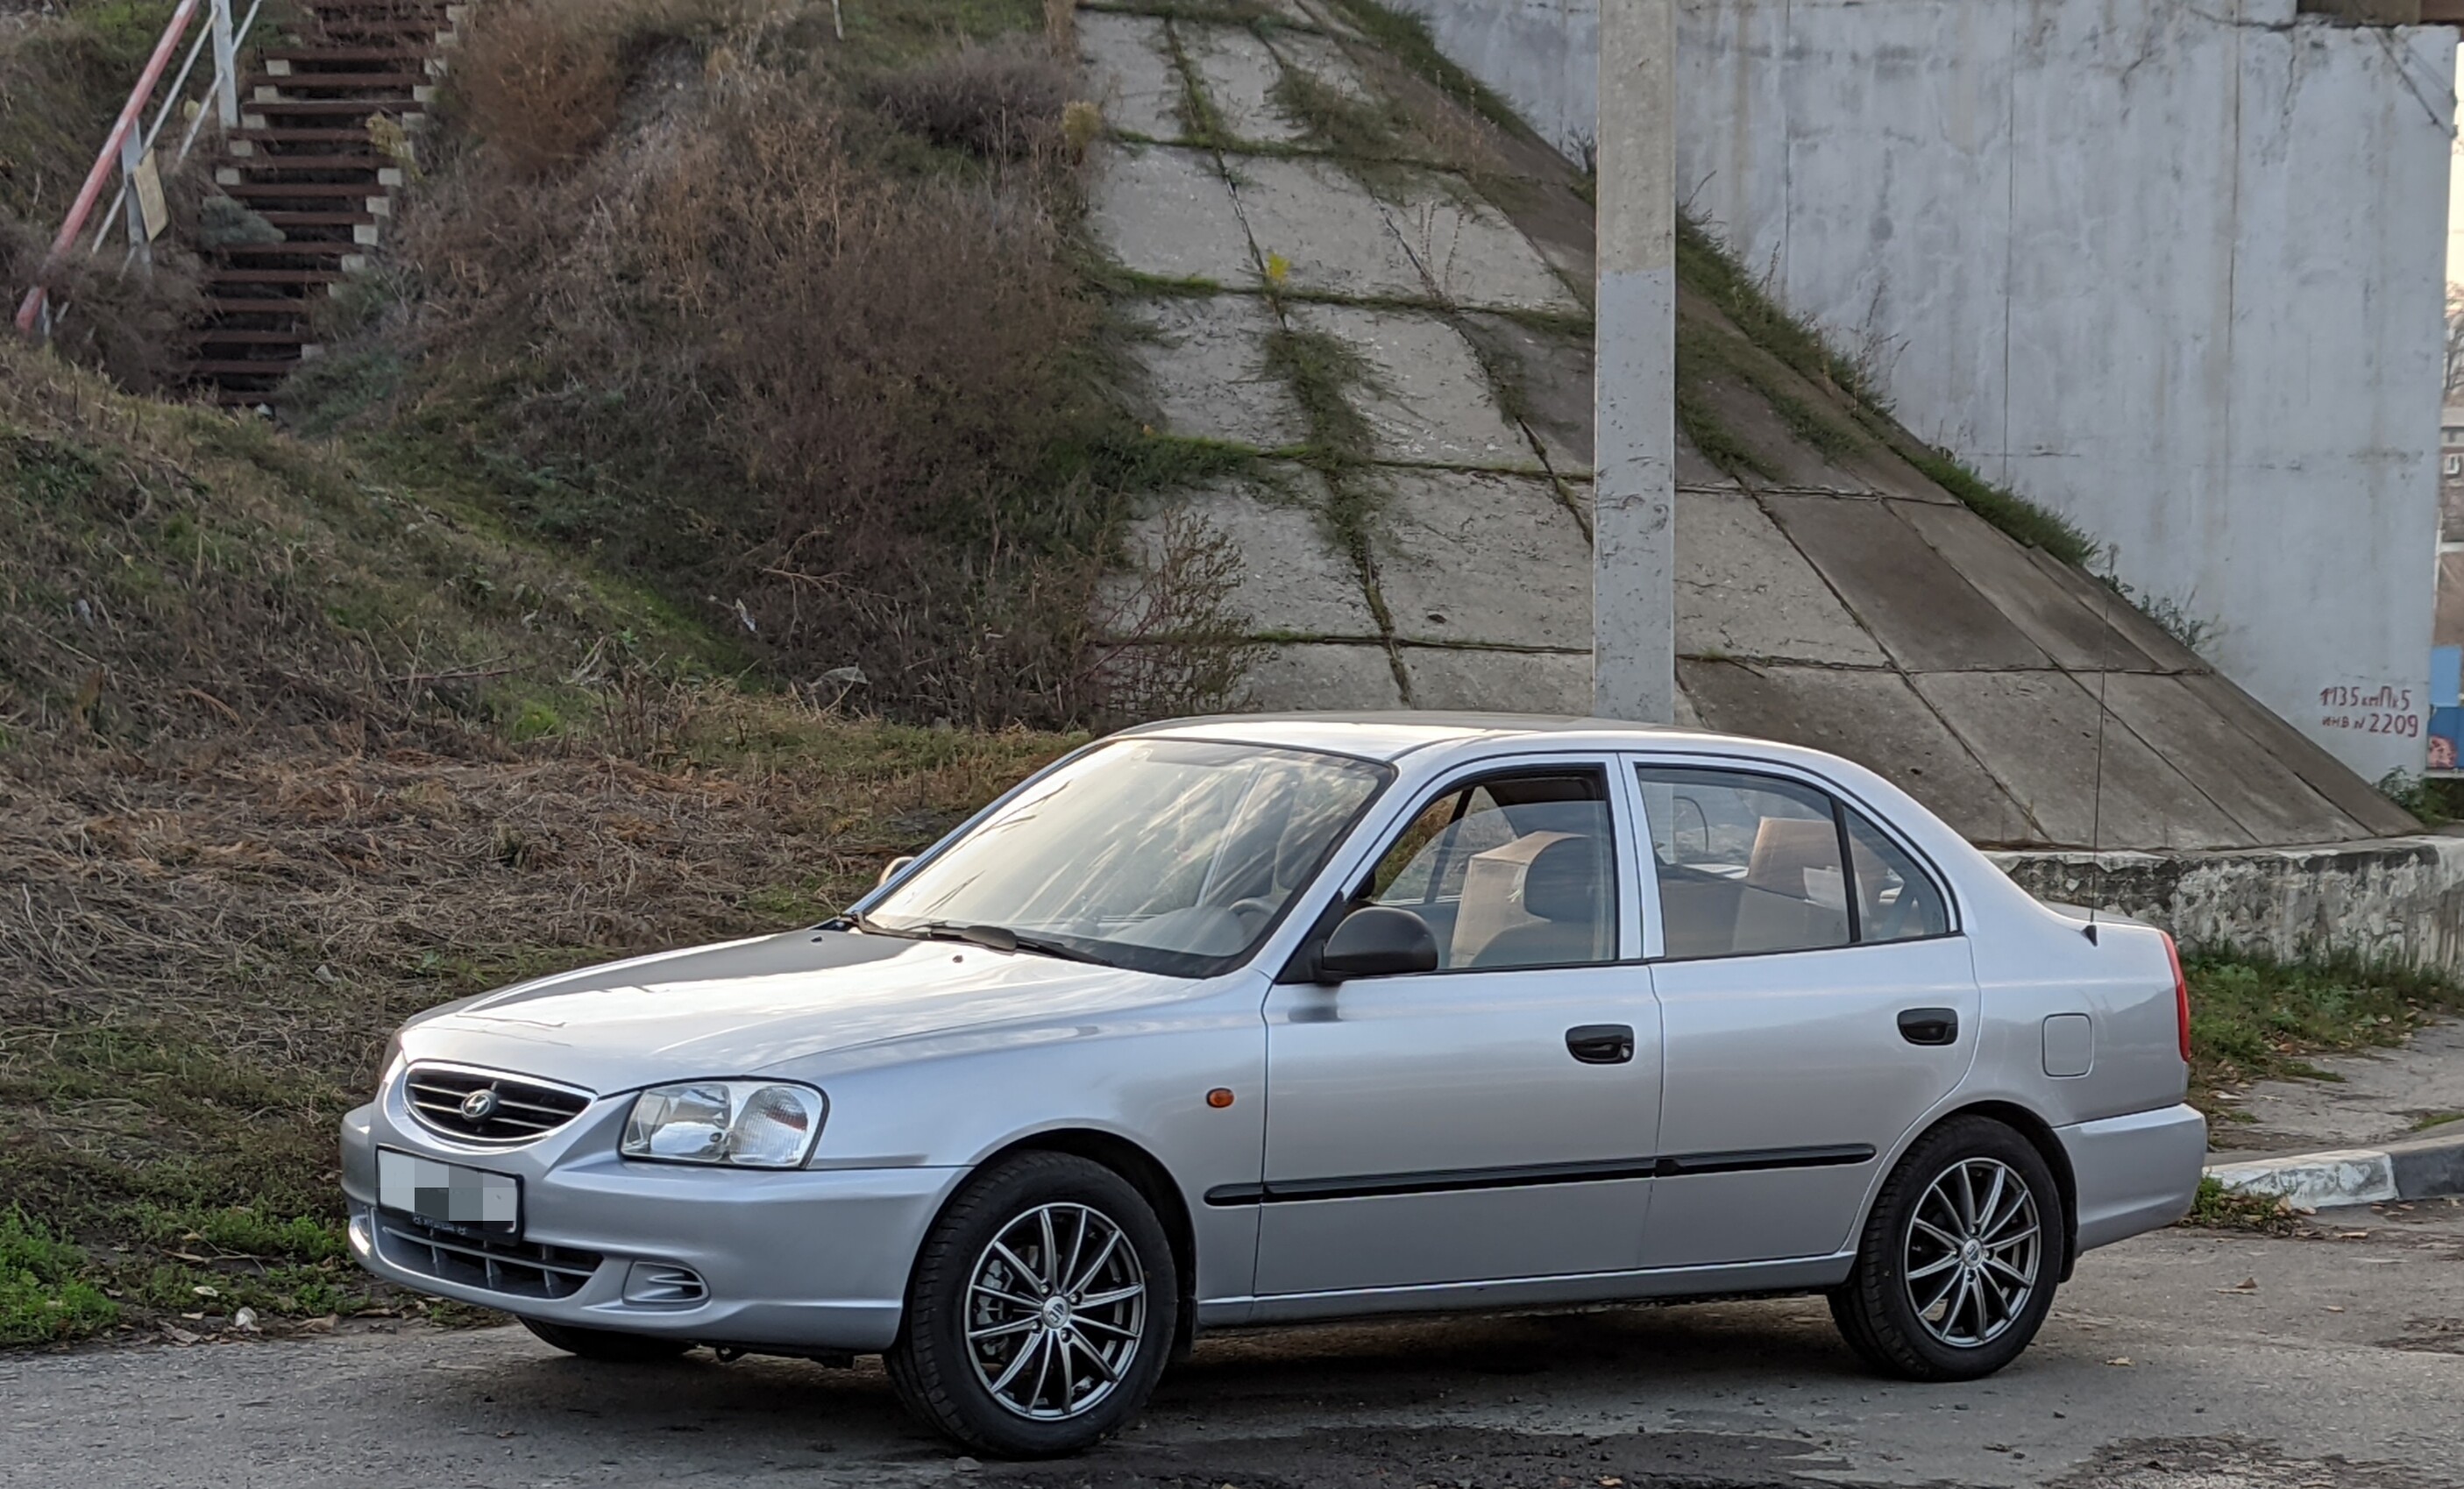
(746, 1124)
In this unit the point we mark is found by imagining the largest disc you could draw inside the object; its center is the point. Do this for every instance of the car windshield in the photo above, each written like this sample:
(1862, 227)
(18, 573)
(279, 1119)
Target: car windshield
(1175, 855)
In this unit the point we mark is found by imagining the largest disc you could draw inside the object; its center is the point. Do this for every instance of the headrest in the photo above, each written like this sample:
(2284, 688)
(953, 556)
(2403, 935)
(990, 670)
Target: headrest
(1786, 847)
(1563, 880)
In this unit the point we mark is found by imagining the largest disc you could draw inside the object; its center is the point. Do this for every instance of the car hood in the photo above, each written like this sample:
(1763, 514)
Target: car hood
(748, 1007)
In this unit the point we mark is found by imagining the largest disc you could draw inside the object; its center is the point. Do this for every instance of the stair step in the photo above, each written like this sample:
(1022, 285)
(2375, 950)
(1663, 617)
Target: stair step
(235, 336)
(274, 276)
(329, 108)
(317, 54)
(306, 163)
(357, 30)
(281, 218)
(352, 190)
(270, 367)
(299, 248)
(297, 137)
(335, 83)
(237, 305)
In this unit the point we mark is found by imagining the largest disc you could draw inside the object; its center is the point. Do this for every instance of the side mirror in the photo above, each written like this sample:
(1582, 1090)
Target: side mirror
(1378, 941)
(892, 869)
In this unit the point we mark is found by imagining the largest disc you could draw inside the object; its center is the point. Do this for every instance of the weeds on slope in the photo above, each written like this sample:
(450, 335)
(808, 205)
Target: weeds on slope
(289, 750)
(796, 333)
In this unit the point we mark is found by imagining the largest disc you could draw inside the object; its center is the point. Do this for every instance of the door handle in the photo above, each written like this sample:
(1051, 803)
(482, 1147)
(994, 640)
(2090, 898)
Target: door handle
(1600, 1044)
(1929, 1025)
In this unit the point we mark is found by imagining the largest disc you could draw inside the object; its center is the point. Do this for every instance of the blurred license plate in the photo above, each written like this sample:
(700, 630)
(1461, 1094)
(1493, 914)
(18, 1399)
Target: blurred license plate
(448, 1194)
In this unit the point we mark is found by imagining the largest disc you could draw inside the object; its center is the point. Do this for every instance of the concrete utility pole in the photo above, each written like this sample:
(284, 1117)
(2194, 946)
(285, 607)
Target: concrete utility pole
(1634, 545)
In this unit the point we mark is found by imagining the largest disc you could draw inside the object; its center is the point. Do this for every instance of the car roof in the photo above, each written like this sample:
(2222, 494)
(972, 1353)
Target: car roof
(1389, 736)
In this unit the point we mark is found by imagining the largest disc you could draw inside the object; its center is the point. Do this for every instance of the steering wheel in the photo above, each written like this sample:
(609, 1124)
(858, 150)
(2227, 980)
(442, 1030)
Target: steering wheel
(1255, 905)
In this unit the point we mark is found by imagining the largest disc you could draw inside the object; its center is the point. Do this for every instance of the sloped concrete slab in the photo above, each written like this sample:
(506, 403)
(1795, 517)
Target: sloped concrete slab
(1430, 401)
(1743, 590)
(2037, 734)
(1129, 73)
(1323, 61)
(1471, 254)
(2049, 613)
(1327, 227)
(2304, 756)
(1322, 675)
(1873, 718)
(1465, 557)
(1554, 372)
(1205, 370)
(2152, 640)
(1292, 578)
(1787, 462)
(1508, 682)
(2254, 788)
(1696, 472)
(1166, 211)
(1239, 73)
(1927, 617)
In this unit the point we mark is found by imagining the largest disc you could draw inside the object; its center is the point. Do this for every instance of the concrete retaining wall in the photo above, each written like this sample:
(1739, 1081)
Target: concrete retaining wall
(2173, 270)
(2398, 899)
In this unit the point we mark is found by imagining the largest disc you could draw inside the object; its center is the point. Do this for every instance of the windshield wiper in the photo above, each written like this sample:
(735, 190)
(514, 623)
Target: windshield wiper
(997, 938)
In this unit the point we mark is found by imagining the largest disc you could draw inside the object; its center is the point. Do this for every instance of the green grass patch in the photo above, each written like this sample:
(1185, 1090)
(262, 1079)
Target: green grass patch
(1407, 39)
(2221, 1209)
(2433, 1120)
(44, 1295)
(1340, 122)
(2255, 1020)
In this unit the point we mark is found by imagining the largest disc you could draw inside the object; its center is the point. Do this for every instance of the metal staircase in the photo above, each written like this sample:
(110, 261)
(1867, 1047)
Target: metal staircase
(300, 147)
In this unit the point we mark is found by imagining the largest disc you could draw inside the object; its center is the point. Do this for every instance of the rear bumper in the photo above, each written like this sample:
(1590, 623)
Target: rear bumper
(811, 1260)
(2135, 1173)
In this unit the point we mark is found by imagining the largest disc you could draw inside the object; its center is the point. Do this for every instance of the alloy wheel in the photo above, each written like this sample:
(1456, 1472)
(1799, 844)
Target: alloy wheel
(1973, 1247)
(1056, 1307)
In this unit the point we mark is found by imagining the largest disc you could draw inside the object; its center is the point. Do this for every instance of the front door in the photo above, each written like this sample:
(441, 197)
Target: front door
(1816, 1000)
(1493, 1119)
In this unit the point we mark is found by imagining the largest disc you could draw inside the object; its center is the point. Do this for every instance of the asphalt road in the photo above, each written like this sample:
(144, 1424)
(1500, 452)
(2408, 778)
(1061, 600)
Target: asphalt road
(2340, 1364)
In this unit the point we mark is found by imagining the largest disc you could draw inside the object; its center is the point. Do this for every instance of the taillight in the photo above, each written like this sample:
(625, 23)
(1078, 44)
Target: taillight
(2181, 995)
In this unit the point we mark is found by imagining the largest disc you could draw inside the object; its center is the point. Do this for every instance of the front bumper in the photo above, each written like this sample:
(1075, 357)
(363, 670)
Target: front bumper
(2135, 1173)
(804, 1259)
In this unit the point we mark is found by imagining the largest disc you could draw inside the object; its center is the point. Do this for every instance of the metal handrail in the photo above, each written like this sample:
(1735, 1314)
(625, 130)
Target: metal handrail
(127, 146)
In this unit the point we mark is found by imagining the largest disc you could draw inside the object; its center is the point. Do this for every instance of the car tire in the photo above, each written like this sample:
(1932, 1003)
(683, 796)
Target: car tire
(1957, 1265)
(608, 1344)
(997, 1300)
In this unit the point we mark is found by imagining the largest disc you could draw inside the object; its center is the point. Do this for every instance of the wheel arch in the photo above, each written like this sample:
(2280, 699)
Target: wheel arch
(2039, 1135)
(1145, 1173)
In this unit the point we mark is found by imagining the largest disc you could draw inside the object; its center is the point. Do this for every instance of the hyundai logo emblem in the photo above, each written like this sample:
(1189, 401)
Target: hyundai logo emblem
(480, 1104)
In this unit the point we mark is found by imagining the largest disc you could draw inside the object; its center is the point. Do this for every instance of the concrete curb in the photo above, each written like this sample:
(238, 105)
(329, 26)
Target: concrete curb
(2428, 1169)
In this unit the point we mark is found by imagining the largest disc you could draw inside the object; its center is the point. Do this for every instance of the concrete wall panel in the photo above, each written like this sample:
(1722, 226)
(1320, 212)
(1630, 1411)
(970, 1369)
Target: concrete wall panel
(2173, 270)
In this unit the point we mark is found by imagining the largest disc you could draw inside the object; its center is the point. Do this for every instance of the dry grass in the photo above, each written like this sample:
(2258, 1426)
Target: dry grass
(1002, 102)
(287, 753)
(846, 394)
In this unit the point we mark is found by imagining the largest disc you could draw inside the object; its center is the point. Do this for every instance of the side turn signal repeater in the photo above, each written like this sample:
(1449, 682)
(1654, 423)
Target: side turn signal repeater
(1219, 1097)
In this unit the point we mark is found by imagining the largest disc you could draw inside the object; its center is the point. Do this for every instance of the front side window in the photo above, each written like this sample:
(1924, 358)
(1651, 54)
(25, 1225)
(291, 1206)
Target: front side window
(1166, 855)
(1751, 864)
(1512, 871)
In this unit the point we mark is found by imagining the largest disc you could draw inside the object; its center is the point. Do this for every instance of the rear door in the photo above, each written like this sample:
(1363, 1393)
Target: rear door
(1816, 1000)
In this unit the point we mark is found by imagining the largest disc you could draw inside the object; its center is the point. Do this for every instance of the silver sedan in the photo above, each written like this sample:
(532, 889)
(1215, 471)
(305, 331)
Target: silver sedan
(1250, 1021)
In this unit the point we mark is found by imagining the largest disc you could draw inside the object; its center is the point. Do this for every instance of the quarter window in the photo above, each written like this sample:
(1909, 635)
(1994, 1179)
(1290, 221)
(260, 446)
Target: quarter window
(1751, 864)
(1514, 871)
(1896, 900)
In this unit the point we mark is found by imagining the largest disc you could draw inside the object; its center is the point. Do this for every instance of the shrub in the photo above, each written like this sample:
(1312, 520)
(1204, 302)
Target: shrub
(1002, 102)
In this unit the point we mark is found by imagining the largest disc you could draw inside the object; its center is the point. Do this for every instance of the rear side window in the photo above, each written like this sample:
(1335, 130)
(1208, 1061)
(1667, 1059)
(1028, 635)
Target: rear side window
(1751, 864)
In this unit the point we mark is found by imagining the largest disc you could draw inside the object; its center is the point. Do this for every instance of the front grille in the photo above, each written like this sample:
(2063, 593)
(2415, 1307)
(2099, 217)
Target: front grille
(517, 1269)
(522, 1110)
